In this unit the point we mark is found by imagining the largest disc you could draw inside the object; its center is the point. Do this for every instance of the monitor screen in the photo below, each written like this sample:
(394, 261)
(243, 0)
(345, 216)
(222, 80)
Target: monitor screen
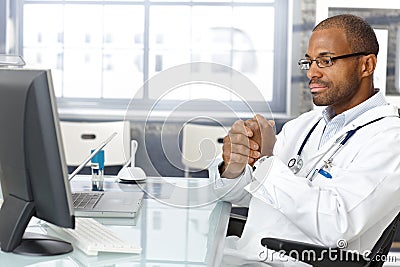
(33, 172)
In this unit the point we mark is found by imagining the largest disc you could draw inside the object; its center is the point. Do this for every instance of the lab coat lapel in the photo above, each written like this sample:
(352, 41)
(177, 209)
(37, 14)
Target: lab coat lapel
(312, 152)
(375, 113)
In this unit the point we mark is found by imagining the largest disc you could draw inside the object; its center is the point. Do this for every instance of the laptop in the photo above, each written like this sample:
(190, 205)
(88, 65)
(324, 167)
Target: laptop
(105, 204)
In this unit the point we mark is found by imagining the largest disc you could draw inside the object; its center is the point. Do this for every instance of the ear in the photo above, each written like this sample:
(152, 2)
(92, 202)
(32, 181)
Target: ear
(368, 65)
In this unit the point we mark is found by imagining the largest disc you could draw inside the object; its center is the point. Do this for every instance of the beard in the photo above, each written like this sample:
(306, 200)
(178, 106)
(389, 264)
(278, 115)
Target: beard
(340, 93)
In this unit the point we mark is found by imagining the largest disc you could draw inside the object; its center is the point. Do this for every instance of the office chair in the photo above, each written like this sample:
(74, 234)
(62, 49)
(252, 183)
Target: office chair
(237, 220)
(343, 258)
(200, 145)
(80, 137)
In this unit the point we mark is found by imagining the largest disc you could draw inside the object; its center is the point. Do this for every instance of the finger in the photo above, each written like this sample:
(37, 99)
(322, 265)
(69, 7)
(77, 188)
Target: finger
(265, 126)
(268, 136)
(227, 140)
(239, 127)
(262, 122)
(245, 151)
(252, 124)
(254, 154)
(251, 161)
(248, 121)
(240, 139)
(253, 145)
(226, 149)
(272, 123)
(229, 148)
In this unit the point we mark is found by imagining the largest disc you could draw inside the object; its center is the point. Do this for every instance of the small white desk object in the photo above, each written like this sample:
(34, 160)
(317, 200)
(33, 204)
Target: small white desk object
(180, 224)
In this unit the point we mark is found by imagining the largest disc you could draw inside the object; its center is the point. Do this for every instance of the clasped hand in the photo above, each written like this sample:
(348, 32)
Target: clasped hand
(246, 142)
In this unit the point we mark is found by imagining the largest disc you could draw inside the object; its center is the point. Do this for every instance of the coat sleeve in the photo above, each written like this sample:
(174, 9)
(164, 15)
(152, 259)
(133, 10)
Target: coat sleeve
(231, 190)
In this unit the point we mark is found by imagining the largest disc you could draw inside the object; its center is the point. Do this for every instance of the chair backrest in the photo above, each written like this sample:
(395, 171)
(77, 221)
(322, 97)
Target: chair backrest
(337, 257)
(80, 137)
(384, 243)
(200, 145)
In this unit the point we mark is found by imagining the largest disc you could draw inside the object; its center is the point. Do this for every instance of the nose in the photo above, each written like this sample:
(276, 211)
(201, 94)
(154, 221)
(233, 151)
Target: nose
(314, 71)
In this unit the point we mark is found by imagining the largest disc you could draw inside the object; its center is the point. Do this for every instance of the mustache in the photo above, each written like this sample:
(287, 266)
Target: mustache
(317, 81)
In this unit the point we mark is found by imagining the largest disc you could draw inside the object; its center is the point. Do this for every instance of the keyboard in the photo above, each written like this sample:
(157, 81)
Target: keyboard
(86, 199)
(92, 237)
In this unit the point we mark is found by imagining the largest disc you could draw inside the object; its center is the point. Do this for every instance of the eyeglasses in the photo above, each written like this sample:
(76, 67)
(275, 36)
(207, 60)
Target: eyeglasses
(325, 61)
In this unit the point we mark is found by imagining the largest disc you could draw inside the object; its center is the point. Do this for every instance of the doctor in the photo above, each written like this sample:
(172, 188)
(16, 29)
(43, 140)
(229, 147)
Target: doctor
(328, 177)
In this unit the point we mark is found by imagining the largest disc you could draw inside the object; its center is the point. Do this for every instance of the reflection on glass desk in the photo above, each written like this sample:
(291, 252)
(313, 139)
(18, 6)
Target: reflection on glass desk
(181, 223)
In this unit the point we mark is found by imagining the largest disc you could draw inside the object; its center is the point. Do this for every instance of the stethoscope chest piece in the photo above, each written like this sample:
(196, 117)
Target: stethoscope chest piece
(291, 163)
(295, 165)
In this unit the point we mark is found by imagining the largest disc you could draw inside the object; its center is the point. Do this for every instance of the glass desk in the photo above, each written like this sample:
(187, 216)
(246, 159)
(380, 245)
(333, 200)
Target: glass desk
(180, 223)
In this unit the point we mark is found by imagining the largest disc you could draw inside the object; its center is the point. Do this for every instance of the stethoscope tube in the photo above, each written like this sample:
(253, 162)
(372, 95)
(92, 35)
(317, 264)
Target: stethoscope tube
(352, 132)
(306, 139)
(295, 164)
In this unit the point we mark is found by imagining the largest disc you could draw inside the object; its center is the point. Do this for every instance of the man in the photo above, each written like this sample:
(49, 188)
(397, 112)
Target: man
(304, 186)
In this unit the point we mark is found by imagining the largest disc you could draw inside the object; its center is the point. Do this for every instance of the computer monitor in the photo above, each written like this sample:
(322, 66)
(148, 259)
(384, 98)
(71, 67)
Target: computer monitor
(33, 172)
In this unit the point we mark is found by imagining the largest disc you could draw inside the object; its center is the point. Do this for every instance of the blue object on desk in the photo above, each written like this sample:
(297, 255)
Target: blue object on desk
(98, 171)
(98, 158)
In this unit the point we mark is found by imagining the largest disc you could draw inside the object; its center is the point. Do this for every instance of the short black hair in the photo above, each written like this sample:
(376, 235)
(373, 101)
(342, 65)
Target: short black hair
(359, 33)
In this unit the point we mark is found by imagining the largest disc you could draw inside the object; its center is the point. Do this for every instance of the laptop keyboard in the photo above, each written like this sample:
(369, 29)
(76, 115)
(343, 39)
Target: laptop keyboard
(86, 199)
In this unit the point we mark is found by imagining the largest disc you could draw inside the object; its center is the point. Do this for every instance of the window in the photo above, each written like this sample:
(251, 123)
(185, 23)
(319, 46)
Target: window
(103, 51)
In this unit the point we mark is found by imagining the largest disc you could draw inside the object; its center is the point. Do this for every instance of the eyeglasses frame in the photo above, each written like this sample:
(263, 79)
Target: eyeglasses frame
(331, 58)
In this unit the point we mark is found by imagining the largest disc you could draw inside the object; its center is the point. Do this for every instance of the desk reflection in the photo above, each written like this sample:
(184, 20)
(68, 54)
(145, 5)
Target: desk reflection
(181, 223)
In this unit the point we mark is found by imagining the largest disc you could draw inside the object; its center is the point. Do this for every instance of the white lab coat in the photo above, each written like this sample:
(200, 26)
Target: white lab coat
(356, 205)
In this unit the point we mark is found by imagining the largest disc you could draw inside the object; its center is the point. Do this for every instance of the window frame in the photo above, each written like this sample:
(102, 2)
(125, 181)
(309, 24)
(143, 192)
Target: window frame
(103, 108)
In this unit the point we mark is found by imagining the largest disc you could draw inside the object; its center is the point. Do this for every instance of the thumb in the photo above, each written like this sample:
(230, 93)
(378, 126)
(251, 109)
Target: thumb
(271, 123)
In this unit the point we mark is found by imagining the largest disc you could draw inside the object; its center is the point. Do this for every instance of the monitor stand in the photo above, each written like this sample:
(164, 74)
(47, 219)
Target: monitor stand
(33, 244)
(15, 215)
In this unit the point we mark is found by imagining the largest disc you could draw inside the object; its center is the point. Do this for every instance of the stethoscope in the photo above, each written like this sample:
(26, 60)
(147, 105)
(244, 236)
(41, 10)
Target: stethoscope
(295, 164)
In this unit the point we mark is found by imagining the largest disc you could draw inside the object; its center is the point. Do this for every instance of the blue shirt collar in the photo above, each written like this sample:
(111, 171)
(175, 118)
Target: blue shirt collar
(349, 115)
